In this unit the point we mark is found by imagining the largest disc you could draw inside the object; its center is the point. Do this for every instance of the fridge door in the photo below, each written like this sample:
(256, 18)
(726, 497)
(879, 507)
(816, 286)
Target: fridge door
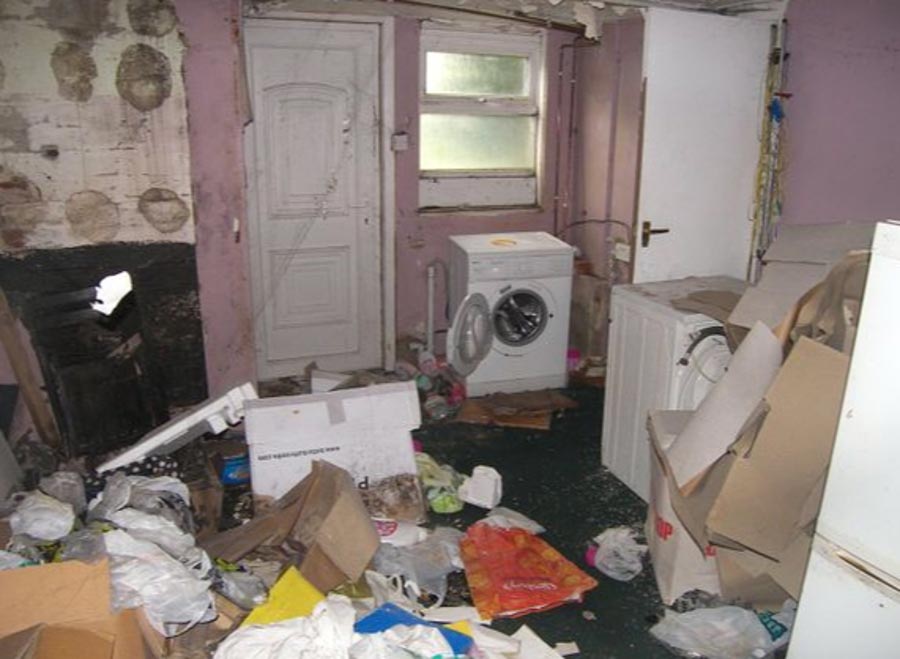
(859, 507)
(844, 611)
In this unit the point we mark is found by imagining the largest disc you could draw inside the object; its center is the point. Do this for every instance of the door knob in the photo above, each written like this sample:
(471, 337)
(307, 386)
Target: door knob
(647, 230)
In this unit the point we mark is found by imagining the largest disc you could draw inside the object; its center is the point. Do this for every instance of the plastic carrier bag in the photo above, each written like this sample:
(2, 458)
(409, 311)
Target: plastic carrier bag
(512, 572)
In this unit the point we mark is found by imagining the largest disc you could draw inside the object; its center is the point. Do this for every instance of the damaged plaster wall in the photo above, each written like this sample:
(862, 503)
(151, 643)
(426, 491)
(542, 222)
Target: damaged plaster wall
(93, 125)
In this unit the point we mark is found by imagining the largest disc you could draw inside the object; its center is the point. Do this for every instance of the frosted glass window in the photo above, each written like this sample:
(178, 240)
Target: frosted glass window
(476, 142)
(458, 74)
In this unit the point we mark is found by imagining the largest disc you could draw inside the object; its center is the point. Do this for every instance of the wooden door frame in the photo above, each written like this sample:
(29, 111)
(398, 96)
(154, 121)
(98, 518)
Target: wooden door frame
(387, 180)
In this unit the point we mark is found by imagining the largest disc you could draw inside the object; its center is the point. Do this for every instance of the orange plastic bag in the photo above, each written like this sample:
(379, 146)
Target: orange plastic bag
(512, 572)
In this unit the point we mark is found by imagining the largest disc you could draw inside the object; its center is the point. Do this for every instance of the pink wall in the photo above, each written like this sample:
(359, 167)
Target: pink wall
(843, 128)
(421, 238)
(607, 123)
(211, 67)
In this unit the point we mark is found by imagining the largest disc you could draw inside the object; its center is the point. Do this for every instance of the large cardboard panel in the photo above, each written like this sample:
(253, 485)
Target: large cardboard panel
(765, 500)
(819, 243)
(726, 409)
(772, 298)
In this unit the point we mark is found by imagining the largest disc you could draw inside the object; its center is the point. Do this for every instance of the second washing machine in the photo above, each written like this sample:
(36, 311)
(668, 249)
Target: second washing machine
(510, 294)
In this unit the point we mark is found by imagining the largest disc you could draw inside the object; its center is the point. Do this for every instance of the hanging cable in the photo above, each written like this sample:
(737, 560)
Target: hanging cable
(566, 228)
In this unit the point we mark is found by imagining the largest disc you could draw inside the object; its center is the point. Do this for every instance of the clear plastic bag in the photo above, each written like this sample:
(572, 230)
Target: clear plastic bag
(243, 588)
(83, 545)
(617, 554)
(424, 565)
(726, 632)
(155, 529)
(42, 517)
(66, 486)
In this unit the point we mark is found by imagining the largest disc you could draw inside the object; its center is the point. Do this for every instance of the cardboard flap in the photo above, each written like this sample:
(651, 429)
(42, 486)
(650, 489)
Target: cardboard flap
(819, 243)
(779, 288)
(759, 590)
(788, 571)
(766, 496)
(56, 593)
(725, 410)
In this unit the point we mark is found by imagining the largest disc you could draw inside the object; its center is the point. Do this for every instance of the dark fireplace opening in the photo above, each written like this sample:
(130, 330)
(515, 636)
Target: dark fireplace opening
(113, 372)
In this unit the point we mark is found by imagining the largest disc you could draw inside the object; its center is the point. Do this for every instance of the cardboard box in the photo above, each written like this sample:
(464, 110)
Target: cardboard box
(62, 610)
(322, 520)
(799, 258)
(207, 493)
(678, 563)
(758, 501)
(365, 431)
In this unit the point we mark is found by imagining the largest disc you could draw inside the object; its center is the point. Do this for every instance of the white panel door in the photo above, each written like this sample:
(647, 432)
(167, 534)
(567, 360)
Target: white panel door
(704, 79)
(313, 176)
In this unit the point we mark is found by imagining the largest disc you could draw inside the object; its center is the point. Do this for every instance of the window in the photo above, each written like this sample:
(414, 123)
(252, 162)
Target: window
(480, 118)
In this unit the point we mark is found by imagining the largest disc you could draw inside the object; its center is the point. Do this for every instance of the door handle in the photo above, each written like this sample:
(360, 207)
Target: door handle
(647, 230)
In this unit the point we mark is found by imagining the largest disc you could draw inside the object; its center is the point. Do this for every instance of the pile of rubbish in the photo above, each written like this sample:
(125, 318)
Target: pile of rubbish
(116, 560)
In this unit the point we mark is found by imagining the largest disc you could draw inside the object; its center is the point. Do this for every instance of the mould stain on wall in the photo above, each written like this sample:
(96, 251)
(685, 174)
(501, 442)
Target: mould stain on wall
(74, 70)
(13, 130)
(78, 20)
(144, 77)
(163, 209)
(152, 18)
(21, 208)
(92, 216)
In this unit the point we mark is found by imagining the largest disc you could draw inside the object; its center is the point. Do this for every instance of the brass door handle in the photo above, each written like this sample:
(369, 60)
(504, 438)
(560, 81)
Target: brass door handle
(647, 230)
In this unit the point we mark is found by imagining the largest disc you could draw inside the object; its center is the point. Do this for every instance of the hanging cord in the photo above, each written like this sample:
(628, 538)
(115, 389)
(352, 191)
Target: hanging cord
(577, 223)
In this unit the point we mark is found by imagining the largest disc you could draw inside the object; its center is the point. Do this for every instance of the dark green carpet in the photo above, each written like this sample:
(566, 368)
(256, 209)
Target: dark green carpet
(556, 478)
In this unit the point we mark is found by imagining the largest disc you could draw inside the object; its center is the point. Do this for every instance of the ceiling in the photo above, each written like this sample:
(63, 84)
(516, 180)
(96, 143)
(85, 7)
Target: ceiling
(589, 14)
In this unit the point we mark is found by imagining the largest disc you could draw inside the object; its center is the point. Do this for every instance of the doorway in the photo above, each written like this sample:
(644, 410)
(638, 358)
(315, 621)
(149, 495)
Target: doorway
(320, 193)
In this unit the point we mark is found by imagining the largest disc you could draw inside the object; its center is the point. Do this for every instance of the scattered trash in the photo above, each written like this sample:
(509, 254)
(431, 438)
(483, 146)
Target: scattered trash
(66, 486)
(726, 632)
(590, 616)
(484, 488)
(505, 518)
(533, 646)
(388, 616)
(530, 409)
(512, 572)
(441, 484)
(567, 648)
(42, 517)
(617, 554)
(424, 565)
(399, 534)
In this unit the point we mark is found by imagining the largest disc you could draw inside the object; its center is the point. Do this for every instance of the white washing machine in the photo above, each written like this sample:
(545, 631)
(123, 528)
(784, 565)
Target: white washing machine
(510, 293)
(658, 358)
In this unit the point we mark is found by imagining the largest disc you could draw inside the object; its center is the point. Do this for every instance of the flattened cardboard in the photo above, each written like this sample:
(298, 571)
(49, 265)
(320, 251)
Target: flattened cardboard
(725, 410)
(819, 243)
(787, 572)
(738, 584)
(779, 288)
(764, 501)
(66, 605)
(57, 642)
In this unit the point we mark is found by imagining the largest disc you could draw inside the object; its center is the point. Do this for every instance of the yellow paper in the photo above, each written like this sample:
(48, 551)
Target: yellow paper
(292, 596)
(463, 627)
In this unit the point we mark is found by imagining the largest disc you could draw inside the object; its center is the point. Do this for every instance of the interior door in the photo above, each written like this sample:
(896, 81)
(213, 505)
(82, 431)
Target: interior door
(314, 181)
(704, 80)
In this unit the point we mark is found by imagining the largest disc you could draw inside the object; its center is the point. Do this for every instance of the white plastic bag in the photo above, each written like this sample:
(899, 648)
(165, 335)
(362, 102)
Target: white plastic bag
(617, 554)
(326, 634)
(174, 597)
(155, 529)
(42, 517)
(66, 486)
(725, 632)
(484, 488)
(506, 518)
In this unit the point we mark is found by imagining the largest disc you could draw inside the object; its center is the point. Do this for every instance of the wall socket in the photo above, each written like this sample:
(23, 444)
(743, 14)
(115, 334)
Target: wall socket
(622, 251)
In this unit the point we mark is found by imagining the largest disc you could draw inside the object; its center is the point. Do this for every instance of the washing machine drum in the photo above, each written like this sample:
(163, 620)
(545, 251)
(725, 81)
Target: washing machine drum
(706, 364)
(519, 317)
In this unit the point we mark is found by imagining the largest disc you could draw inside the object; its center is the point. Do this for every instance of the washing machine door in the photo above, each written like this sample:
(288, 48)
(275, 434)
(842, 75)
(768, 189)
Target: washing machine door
(520, 316)
(471, 335)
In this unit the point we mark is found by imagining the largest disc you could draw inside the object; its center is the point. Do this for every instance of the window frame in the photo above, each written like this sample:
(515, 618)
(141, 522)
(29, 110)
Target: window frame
(484, 189)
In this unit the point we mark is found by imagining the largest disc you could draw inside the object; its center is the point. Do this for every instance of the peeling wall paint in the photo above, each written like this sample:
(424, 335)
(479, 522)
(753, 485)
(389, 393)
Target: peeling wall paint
(92, 113)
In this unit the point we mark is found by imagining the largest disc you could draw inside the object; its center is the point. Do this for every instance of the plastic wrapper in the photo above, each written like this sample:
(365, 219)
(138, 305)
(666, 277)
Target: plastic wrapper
(424, 565)
(11, 561)
(617, 553)
(243, 588)
(512, 572)
(42, 517)
(162, 495)
(726, 632)
(84, 545)
(506, 518)
(396, 497)
(66, 486)
(175, 596)
(114, 497)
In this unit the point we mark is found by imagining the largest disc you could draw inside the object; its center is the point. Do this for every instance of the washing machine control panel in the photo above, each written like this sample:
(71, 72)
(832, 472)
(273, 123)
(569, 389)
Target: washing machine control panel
(521, 267)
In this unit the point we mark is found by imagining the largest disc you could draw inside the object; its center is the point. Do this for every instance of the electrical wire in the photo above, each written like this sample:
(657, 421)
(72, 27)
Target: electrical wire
(566, 228)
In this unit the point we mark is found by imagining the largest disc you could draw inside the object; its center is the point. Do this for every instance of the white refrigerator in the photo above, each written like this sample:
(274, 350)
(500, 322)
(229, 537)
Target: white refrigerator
(850, 601)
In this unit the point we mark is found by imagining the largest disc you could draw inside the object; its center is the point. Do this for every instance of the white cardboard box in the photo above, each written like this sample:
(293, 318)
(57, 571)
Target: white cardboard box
(678, 563)
(365, 431)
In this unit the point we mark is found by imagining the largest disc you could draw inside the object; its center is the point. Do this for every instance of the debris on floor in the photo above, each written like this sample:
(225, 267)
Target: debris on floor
(531, 409)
